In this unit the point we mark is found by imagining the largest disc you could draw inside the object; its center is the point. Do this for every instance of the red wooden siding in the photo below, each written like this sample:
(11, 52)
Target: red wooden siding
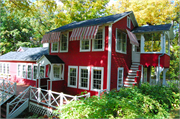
(152, 60)
(120, 59)
(76, 58)
(57, 86)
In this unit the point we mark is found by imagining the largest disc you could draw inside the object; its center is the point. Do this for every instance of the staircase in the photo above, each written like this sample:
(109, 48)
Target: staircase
(132, 74)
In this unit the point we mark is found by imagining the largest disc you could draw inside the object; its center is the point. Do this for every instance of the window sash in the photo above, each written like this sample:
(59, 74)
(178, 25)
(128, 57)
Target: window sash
(64, 42)
(72, 76)
(0, 67)
(19, 70)
(120, 77)
(85, 45)
(35, 69)
(29, 70)
(97, 78)
(121, 42)
(83, 77)
(54, 47)
(42, 71)
(24, 71)
(98, 42)
(56, 72)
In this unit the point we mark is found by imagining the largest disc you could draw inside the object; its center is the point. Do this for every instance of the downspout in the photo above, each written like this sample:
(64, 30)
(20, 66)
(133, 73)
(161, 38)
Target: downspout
(159, 58)
(109, 57)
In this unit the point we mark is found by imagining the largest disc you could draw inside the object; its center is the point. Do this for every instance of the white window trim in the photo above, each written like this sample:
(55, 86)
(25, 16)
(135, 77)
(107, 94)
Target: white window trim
(121, 46)
(120, 68)
(33, 71)
(84, 67)
(102, 77)
(103, 40)
(22, 71)
(44, 70)
(76, 67)
(87, 50)
(57, 65)
(128, 22)
(27, 71)
(67, 43)
(2, 66)
(52, 47)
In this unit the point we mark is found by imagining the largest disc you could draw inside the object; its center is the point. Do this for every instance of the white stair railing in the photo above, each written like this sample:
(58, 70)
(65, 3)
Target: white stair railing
(19, 104)
(8, 86)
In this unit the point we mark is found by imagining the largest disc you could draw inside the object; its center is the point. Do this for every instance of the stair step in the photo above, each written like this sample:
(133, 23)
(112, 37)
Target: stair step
(136, 63)
(127, 85)
(132, 68)
(131, 76)
(127, 82)
(132, 73)
(130, 79)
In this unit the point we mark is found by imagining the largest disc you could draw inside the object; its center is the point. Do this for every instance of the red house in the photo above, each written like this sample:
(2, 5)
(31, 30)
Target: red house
(103, 53)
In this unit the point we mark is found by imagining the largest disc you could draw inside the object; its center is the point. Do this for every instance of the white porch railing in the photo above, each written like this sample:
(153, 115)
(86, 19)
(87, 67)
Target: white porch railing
(100, 92)
(51, 98)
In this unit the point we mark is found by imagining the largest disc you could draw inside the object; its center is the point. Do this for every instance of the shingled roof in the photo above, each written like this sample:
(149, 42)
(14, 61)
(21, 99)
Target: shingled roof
(92, 22)
(30, 54)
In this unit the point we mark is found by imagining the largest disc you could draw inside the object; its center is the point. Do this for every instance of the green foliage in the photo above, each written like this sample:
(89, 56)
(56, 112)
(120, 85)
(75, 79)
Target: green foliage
(144, 102)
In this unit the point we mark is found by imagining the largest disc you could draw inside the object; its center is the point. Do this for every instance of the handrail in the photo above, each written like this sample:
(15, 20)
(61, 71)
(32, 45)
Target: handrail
(16, 101)
(7, 86)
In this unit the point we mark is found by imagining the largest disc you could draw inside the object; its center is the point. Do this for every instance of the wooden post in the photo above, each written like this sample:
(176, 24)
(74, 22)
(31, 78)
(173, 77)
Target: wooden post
(49, 98)
(39, 94)
(7, 111)
(61, 99)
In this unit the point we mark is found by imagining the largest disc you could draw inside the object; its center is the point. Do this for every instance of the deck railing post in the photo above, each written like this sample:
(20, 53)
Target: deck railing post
(49, 97)
(15, 88)
(75, 98)
(7, 111)
(88, 94)
(39, 94)
(61, 99)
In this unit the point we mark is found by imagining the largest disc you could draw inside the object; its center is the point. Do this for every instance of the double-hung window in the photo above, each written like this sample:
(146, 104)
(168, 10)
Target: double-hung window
(35, 69)
(64, 43)
(120, 78)
(98, 42)
(83, 77)
(121, 42)
(85, 45)
(97, 78)
(24, 71)
(19, 70)
(29, 71)
(42, 71)
(56, 71)
(128, 22)
(72, 76)
(54, 47)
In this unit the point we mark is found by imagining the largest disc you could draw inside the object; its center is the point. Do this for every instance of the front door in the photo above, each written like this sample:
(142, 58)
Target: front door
(136, 53)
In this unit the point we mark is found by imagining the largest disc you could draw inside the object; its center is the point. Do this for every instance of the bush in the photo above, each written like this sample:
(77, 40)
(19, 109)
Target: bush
(144, 102)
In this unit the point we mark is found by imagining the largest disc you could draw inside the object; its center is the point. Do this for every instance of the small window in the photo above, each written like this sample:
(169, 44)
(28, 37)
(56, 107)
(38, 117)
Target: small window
(42, 72)
(19, 70)
(24, 71)
(35, 69)
(85, 45)
(97, 78)
(129, 22)
(72, 76)
(84, 77)
(29, 69)
(120, 78)
(0, 67)
(64, 43)
(7, 68)
(54, 47)
(98, 42)
(56, 71)
(4, 68)
(121, 42)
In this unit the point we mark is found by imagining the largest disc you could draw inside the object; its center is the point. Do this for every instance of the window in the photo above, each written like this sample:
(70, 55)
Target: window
(56, 71)
(4, 68)
(121, 42)
(72, 76)
(0, 67)
(120, 78)
(29, 69)
(64, 43)
(7, 68)
(129, 22)
(85, 45)
(19, 70)
(84, 77)
(35, 69)
(42, 71)
(54, 47)
(24, 71)
(97, 78)
(98, 42)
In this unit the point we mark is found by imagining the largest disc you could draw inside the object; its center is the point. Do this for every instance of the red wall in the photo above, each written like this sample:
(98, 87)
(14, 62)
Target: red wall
(57, 86)
(152, 60)
(76, 58)
(120, 59)
(13, 73)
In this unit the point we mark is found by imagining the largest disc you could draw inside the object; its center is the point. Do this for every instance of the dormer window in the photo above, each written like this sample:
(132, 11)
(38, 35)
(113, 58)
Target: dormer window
(64, 42)
(129, 22)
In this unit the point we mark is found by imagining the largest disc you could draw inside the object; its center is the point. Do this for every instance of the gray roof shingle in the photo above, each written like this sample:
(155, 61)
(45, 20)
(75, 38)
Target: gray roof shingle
(91, 22)
(30, 54)
(153, 28)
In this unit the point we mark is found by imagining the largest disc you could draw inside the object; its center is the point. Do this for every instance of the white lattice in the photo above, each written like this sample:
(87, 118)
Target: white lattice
(38, 109)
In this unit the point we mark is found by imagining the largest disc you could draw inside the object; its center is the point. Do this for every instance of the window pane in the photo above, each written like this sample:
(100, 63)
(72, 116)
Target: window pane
(120, 79)
(98, 42)
(4, 68)
(64, 42)
(85, 44)
(0, 67)
(73, 76)
(96, 79)
(7, 68)
(24, 71)
(19, 69)
(84, 78)
(35, 72)
(56, 72)
(55, 46)
(29, 71)
(42, 71)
